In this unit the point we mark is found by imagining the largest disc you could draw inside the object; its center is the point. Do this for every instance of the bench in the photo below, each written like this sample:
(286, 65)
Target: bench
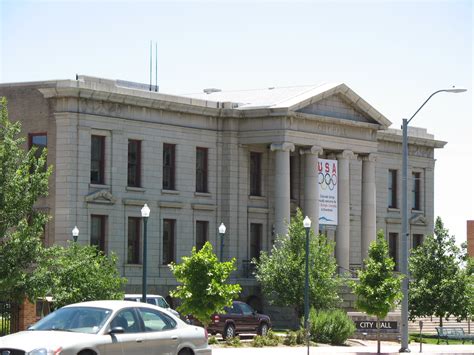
(453, 333)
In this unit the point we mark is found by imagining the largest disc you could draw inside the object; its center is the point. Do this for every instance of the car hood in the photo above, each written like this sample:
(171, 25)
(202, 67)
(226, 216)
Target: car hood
(34, 339)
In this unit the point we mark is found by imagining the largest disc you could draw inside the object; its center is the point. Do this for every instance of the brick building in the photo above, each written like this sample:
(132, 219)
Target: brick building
(245, 158)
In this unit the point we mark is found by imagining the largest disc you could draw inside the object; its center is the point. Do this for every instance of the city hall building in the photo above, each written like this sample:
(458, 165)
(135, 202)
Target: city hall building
(247, 159)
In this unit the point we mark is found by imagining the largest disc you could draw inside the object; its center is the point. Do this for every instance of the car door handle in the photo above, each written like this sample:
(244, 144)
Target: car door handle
(175, 338)
(139, 340)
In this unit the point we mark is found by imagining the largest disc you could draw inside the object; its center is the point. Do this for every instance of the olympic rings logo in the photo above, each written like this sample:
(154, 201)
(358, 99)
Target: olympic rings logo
(327, 181)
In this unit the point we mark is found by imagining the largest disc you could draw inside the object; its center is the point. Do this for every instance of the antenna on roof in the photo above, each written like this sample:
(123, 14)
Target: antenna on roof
(156, 66)
(151, 54)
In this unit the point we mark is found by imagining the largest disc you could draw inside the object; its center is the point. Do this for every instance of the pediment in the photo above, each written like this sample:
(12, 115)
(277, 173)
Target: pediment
(418, 219)
(101, 196)
(337, 106)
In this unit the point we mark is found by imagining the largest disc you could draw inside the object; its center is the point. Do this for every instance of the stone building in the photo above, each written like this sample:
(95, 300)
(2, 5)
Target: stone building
(244, 158)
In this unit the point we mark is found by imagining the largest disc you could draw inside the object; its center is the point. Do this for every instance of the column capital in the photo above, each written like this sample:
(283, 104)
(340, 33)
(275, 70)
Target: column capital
(346, 154)
(315, 150)
(284, 146)
(371, 157)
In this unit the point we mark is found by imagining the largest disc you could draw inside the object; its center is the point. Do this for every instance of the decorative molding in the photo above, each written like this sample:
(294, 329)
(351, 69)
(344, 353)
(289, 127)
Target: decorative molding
(132, 202)
(284, 146)
(203, 207)
(170, 204)
(419, 219)
(257, 210)
(135, 189)
(101, 196)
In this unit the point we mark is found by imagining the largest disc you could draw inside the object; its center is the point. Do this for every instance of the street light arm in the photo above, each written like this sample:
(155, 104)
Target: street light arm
(424, 103)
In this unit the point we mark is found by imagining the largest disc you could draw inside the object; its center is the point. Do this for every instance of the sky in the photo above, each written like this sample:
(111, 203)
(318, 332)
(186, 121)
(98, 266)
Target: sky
(394, 54)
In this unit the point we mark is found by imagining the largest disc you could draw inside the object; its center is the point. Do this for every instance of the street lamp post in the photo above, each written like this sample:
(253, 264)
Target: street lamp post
(75, 233)
(222, 229)
(145, 214)
(307, 226)
(404, 254)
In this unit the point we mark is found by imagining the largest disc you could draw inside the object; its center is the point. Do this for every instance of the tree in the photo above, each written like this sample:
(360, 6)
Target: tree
(23, 179)
(204, 289)
(378, 290)
(439, 286)
(77, 273)
(282, 272)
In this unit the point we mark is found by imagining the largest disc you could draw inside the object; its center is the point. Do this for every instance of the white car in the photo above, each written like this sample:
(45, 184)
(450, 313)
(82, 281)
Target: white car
(108, 328)
(156, 300)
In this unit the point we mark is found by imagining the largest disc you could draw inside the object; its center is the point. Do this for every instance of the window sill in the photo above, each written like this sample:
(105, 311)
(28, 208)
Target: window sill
(135, 189)
(257, 198)
(169, 192)
(393, 209)
(98, 186)
(202, 194)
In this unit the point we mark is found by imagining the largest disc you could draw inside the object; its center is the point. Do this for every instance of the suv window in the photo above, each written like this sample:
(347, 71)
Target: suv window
(247, 310)
(155, 321)
(235, 309)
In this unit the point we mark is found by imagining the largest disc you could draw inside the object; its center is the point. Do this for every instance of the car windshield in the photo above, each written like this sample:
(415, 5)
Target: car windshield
(74, 319)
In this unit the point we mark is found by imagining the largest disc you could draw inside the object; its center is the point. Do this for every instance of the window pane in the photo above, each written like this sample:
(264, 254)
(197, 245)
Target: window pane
(39, 141)
(416, 190)
(392, 188)
(133, 250)
(417, 240)
(201, 170)
(168, 166)
(255, 240)
(98, 231)
(392, 248)
(255, 174)
(134, 152)
(168, 240)
(97, 159)
(202, 228)
(156, 321)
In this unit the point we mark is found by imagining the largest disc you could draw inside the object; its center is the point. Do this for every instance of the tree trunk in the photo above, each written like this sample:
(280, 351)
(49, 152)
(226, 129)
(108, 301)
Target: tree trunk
(378, 335)
(440, 321)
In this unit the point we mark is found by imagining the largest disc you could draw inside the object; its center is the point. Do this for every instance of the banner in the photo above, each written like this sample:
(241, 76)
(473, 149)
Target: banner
(327, 179)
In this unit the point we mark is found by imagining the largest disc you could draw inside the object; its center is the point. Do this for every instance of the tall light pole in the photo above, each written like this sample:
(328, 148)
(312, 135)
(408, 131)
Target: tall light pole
(222, 229)
(145, 214)
(405, 237)
(307, 226)
(75, 233)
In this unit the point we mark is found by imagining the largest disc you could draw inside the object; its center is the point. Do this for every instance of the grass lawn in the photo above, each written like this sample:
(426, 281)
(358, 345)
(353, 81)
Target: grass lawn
(433, 339)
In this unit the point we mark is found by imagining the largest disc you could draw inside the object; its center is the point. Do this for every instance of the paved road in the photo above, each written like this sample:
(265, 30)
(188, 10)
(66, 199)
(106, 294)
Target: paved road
(369, 349)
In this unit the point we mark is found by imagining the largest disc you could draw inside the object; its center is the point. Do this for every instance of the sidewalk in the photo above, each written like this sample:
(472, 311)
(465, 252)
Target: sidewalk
(370, 348)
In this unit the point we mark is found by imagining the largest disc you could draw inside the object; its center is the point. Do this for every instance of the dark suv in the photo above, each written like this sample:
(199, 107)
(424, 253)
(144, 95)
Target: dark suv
(240, 318)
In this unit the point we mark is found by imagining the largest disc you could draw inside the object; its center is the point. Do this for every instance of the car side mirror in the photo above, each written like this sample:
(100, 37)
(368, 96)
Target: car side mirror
(117, 330)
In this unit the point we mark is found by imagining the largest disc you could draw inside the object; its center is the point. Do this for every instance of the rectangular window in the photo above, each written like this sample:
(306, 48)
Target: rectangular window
(416, 191)
(201, 170)
(97, 159)
(40, 141)
(417, 240)
(393, 248)
(255, 240)
(98, 231)
(133, 244)
(134, 163)
(169, 159)
(255, 174)
(168, 240)
(292, 176)
(202, 236)
(392, 189)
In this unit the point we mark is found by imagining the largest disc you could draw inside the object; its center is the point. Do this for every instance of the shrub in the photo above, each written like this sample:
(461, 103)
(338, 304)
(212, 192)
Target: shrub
(234, 342)
(212, 340)
(271, 339)
(294, 337)
(330, 327)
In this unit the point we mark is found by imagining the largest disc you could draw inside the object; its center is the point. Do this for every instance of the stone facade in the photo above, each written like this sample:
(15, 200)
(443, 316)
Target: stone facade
(470, 238)
(330, 122)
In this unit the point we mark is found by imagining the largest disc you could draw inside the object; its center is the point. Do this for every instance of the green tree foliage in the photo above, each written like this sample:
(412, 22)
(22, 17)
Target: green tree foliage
(379, 289)
(23, 179)
(439, 285)
(77, 273)
(282, 272)
(204, 289)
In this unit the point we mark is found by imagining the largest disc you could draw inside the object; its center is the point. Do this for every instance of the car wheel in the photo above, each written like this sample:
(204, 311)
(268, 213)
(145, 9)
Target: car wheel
(229, 332)
(87, 352)
(185, 351)
(263, 329)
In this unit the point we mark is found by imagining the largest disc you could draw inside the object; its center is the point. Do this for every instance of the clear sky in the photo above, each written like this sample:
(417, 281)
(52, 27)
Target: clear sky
(392, 53)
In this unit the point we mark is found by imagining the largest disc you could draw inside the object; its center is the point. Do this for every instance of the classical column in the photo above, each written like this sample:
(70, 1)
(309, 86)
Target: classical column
(343, 210)
(311, 185)
(369, 226)
(282, 185)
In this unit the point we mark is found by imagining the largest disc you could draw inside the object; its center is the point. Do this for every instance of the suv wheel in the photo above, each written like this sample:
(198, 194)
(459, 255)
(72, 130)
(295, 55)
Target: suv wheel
(229, 332)
(263, 329)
